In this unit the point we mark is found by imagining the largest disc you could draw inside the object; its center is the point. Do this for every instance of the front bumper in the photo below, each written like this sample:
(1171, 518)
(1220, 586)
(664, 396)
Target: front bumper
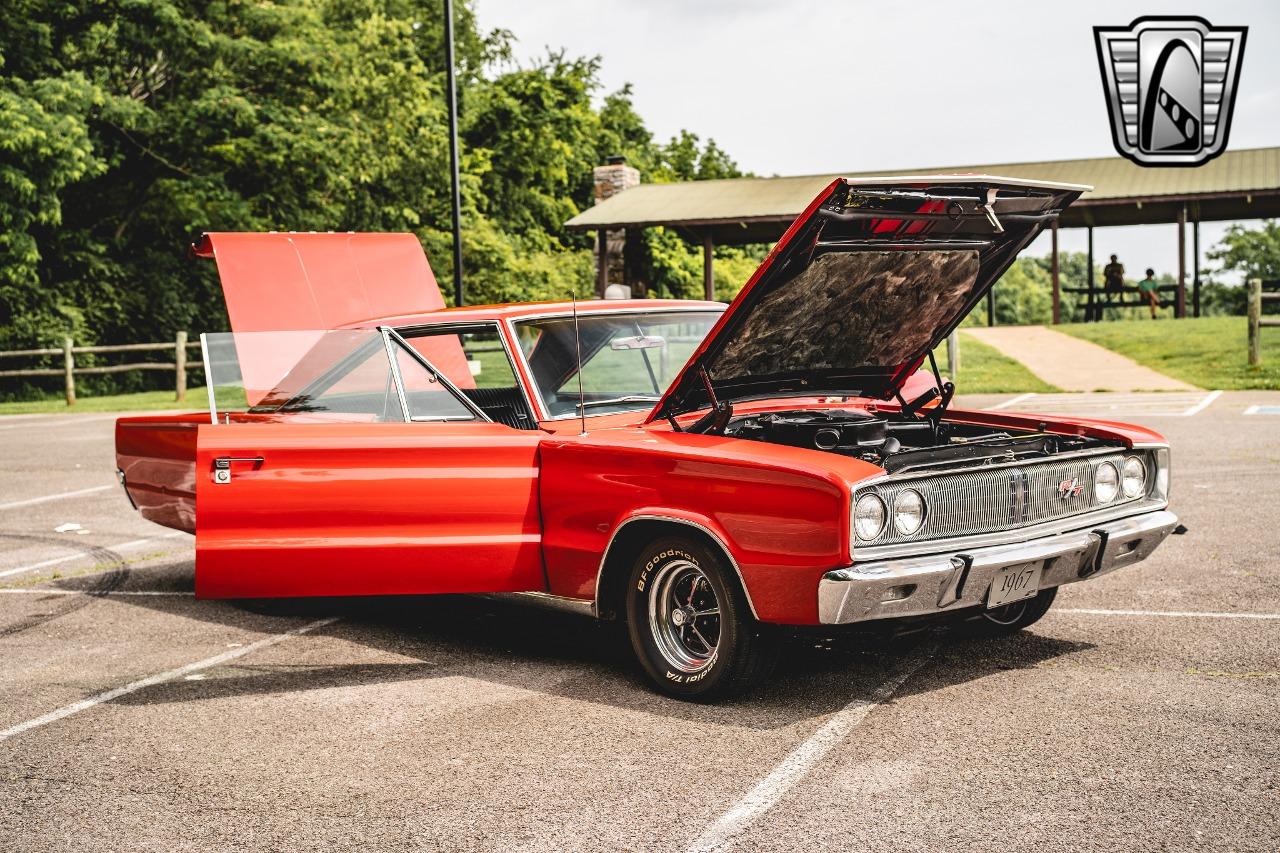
(921, 586)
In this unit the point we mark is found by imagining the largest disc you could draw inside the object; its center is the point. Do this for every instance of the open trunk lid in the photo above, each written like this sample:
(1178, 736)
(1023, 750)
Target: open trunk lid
(286, 281)
(312, 282)
(864, 284)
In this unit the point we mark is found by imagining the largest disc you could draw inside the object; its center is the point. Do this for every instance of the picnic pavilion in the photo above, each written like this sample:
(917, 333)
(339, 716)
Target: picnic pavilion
(1237, 185)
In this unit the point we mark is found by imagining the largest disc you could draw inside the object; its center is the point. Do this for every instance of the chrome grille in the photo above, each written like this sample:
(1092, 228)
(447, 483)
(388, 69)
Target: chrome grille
(993, 499)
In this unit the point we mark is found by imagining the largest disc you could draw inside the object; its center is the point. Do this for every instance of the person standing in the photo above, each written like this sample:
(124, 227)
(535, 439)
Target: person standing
(1113, 276)
(1148, 288)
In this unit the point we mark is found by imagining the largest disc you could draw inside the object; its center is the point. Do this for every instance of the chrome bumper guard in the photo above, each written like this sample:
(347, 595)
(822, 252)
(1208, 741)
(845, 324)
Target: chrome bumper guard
(919, 586)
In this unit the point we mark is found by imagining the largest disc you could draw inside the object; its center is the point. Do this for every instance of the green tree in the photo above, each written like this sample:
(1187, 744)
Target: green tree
(44, 147)
(127, 127)
(537, 134)
(1252, 252)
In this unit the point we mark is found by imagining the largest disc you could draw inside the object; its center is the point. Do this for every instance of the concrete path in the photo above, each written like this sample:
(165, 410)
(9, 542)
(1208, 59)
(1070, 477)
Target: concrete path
(1073, 364)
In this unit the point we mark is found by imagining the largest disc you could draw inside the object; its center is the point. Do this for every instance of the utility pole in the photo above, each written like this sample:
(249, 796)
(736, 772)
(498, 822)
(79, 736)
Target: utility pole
(458, 298)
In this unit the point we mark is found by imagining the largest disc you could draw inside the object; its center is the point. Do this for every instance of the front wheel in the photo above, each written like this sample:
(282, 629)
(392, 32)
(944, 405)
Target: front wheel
(690, 624)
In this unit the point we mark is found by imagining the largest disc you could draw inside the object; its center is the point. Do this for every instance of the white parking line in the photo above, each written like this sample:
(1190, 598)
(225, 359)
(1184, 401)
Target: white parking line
(35, 591)
(51, 420)
(1173, 614)
(1203, 404)
(1012, 401)
(124, 546)
(159, 678)
(57, 497)
(1108, 404)
(793, 768)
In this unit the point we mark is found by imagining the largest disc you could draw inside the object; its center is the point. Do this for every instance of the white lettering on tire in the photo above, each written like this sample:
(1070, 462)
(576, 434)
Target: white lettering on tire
(643, 580)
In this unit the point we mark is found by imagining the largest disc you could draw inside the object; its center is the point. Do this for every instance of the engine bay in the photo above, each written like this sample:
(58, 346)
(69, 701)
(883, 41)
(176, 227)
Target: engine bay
(902, 442)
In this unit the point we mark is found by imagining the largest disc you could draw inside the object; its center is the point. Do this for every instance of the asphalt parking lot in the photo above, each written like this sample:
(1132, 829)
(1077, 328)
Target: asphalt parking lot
(1143, 713)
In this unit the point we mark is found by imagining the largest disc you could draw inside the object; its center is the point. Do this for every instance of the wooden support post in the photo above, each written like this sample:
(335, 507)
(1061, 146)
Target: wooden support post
(1180, 308)
(180, 366)
(1195, 268)
(708, 271)
(953, 354)
(68, 371)
(1255, 320)
(632, 264)
(602, 262)
(1057, 288)
(1088, 303)
(991, 305)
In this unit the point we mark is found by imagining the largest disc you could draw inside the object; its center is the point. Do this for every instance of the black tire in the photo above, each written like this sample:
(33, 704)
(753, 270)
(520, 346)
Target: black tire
(696, 656)
(1003, 621)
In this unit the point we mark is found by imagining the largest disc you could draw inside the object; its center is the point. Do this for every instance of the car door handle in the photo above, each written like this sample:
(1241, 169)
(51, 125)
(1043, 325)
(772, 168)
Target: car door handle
(222, 466)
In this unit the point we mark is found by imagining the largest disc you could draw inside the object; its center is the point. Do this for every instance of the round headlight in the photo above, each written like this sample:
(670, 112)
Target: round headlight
(1106, 482)
(868, 517)
(1133, 477)
(908, 512)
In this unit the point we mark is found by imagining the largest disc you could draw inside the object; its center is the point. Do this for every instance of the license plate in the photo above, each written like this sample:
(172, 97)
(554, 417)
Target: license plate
(1014, 583)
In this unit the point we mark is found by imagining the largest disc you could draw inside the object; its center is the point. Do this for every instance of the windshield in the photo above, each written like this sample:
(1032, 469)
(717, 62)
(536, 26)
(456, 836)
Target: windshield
(628, 360)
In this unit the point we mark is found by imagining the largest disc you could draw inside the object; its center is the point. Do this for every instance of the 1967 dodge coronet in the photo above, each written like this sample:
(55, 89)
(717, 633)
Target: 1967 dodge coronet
(704, 474)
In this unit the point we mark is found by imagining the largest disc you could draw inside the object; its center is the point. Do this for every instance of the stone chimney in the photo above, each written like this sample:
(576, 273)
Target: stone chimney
(614, 177)
(613, 272)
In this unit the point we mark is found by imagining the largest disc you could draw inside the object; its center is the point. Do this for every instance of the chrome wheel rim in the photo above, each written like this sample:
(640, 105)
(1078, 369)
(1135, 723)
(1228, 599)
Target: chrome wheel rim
(684, 616)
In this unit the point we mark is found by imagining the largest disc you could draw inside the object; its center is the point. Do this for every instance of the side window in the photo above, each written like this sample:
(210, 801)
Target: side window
(470, 358)
(428, 398)
(358, 386)
(369, 388)
(474, 359)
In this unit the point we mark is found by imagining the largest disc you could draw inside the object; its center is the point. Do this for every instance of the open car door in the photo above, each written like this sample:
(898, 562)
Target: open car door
(364, 471)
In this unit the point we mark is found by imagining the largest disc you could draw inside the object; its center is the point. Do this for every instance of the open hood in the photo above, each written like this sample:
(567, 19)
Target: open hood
(864, 284)
(289, 281)
(309, 282)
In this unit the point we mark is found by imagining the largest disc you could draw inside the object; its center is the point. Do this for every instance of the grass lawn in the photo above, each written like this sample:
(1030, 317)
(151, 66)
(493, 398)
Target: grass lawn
(984, 370)
(1210, 352)
(197, 401)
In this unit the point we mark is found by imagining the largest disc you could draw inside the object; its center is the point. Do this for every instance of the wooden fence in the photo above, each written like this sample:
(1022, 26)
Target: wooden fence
(1257, 297)
(179, 346)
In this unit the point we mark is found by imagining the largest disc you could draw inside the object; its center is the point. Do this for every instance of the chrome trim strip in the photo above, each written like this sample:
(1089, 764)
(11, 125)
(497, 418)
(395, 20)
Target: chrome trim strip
(124, 484)
(563, 315)
(208, 380)
(715, 538)
(394, 364)
(561, 603)
(525, 374)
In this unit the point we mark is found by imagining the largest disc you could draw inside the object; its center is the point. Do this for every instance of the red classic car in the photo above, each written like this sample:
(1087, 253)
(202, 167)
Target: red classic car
(705, 474)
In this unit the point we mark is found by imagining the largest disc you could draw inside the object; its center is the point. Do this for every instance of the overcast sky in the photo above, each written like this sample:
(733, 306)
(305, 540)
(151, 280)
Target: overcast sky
(806, 87)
